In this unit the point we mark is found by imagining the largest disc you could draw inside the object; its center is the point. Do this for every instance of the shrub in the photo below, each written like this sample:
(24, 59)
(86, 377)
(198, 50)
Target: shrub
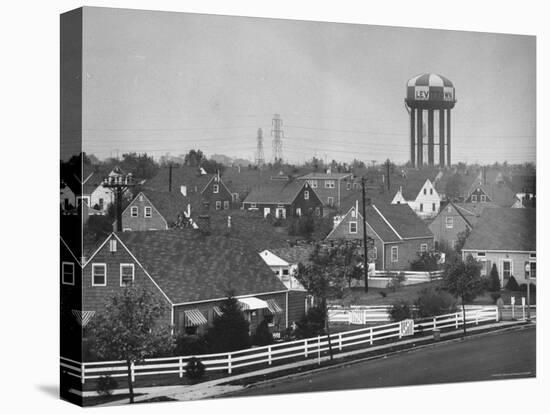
(194, 368)
(106, 385)
(190, 345)
(383, 293)
(512, 284)
(262, 336)
(400, 310)
(396, 282)
(494, 280)
(229, 332)
(311, 324)
(431, 302)
(425, 262)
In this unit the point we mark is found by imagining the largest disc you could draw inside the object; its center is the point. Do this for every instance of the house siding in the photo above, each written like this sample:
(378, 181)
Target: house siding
(518, 261)
(95, 298)
(407, 253)
(209, 196)
(142, 223)
(339, 190)
(296, 306)
(442, 234)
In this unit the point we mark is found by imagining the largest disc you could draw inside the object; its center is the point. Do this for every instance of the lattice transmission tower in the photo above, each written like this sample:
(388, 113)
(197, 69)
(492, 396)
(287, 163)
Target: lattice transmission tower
(277, 134)
(259, 158)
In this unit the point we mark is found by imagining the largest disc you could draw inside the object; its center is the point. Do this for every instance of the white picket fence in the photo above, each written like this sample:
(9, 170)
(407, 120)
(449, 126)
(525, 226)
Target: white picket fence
(382, 278)
(267, 355)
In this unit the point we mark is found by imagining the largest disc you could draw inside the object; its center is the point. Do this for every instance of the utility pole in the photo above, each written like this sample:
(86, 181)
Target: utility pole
(118, 183)
(170, 177)
(388, 173)
(366, 260)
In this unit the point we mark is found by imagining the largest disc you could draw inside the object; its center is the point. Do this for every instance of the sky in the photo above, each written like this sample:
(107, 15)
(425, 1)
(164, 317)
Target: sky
(162, 82)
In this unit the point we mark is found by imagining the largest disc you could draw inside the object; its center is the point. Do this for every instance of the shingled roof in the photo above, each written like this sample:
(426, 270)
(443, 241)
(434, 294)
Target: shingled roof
(275, 192)
(181, 176)
(190, 266)
(168, 204)
(506, 229)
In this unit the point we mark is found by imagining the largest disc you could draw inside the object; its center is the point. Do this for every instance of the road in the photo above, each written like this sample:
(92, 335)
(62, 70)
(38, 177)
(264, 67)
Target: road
(496, 356)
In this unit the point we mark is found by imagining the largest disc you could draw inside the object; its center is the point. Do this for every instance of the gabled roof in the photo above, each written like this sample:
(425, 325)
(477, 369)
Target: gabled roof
(295, 254)
(168, 204)
(181, 175)
(275, 192)
(324, 176)
(412, 182)
(390, 222)
(500, 194)
(466, 215)
(190, 266)
(507, 229)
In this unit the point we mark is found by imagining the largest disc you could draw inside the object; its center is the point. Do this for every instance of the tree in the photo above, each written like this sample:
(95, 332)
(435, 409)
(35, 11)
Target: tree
(425, 262)
(433, 302)
(462, 279)
(229, 332)
(453, 187)
(140, 165)
(494, 279)
(130, 329)
(461, 239)
(262, 336)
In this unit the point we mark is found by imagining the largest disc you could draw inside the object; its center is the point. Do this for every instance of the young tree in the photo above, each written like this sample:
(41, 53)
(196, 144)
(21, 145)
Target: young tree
(462, 279)
(461, 239)
(494, 279)
(229, 332)
(130, 329)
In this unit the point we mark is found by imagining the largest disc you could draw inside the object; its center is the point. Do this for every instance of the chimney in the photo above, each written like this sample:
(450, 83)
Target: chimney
(228, 222)
(183, 190)
(356, 208)
(203, 222)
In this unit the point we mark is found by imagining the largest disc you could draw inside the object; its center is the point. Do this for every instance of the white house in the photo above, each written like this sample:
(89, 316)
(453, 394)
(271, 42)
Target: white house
(284, 270)
(67, 197)
(424, 200)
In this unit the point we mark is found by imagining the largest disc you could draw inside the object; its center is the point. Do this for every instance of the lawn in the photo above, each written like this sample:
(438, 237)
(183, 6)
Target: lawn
(387, 296)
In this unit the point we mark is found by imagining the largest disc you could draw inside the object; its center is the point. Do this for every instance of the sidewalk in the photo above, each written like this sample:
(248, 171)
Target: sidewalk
(222, 386)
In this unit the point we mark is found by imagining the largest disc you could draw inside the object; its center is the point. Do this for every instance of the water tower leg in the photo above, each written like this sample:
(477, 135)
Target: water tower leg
(420, 138)
(448, 137)
(441, 138)
(413, 154)
(431, 137)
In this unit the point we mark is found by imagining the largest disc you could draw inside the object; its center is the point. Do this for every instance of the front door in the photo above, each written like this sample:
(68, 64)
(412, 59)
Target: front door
(280, 213)
(506, 271)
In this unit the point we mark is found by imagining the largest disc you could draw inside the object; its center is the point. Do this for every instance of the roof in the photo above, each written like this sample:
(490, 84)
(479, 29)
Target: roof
(275, 192)
(507, 229)
(324, 176)
(295, 254)
(190, 266)
(500, 194)
(181, 176)
(168, 204)
(412, 182)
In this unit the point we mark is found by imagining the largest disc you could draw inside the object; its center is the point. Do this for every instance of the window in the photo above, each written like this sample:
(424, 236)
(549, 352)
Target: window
(506, 269)
(424, 191)
(480, 254)
(126, 274)
(423, 248)
(216, 188)
(375, 253)
(226, 205)
(531, 270)
(313, 183)
(433, 206)
(99, 274)
(532, 255)
(329, 184)
(449, 222)
(421, 207)
(298, 211)
(317, 211)
(285, 272)
(67, 271)
(134, 211)
(449, 209)
(101, 203)
(353, 227)
(112, 245)
(252, 205)
(126, 229)
(218, 205)
(330, 201)
(483, 198)
(148, 212)
(474, 198)
(140, 198)
(306, 195)
(431, 191)
(348, 186)
(394, 253)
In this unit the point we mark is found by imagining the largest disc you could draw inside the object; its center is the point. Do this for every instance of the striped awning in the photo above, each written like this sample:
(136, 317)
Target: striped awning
(83, 317)
(273, 306)
(217, 310)
(194, 317)
(253, 304)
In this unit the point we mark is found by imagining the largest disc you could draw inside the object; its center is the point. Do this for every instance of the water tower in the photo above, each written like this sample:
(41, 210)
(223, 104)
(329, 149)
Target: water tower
(430, 93)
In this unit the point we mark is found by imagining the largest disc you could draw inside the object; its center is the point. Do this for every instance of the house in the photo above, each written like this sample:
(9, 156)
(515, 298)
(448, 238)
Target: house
(156, 210)
(284, 199)
(189, 272)
(398, 234)
(507, 238)
(449, 223)
(284, 263)
(329, 186)
(195, 182)
(495, 190)
(419, 192)
(94, 194)
(67, 197)
(525, 200)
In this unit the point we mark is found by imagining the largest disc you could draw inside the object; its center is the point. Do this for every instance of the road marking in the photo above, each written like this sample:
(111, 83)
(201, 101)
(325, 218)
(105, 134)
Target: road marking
(511, 374)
